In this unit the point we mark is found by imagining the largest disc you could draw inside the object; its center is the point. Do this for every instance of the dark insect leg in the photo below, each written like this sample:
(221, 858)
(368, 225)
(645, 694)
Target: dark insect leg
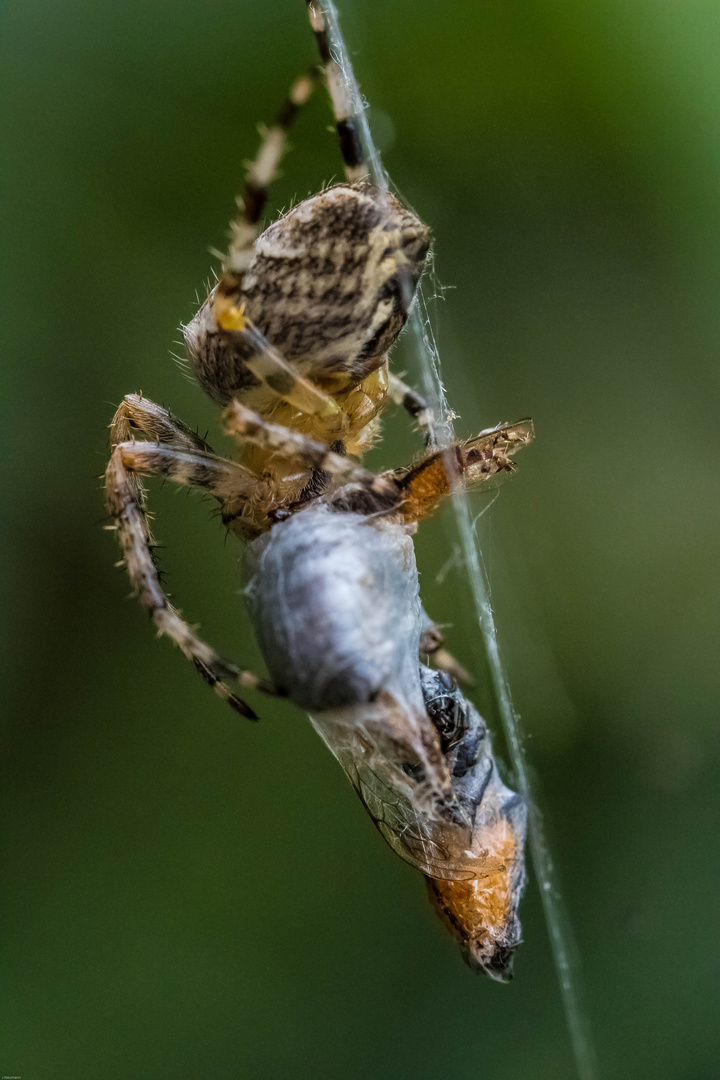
(126, 504)
(470, 463)
(346, 119)
(431, 646)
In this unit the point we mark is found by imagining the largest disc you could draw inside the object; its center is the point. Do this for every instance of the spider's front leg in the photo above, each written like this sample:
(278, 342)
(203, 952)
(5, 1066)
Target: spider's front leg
(325, 468)
(178, 455)
(287, 443)
(223, 328)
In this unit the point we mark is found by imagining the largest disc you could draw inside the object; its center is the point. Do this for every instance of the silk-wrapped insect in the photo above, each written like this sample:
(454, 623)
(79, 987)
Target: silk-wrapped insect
(335, 603)
(293, 343)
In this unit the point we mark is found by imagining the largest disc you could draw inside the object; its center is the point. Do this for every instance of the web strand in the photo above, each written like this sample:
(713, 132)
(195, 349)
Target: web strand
(427, 362)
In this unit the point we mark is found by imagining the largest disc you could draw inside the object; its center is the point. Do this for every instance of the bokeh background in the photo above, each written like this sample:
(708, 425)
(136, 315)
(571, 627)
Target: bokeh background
(189, 896)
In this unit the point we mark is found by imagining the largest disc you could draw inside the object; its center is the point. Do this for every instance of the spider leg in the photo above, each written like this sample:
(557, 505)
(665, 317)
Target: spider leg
(256, 352)
(226, 317)
(226, 350)
(226, 480)
(266, 364)
(287, 443)
(126, 503)
(415, 405)
(138, 413)
(259, 176)
(344, 110)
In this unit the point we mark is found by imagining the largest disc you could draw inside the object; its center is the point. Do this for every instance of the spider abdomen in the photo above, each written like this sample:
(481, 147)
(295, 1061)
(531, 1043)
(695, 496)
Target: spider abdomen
(329, 286)
(330, 283)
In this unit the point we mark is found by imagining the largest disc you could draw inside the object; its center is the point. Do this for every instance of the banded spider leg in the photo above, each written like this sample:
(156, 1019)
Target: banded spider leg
(183, 457)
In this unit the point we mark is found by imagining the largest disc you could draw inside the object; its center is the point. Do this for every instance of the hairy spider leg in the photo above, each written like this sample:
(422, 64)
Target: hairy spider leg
(138, 413)
(288, 443)
(259, 176)
(257, 353)
(225, 480)
(265, 362)
(346, 119)
(187, 464)
(356, 168)
(264, 169)
(413, 403)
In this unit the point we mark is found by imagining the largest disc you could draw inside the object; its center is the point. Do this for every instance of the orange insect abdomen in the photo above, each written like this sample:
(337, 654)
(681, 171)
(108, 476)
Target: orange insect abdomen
(481, 912)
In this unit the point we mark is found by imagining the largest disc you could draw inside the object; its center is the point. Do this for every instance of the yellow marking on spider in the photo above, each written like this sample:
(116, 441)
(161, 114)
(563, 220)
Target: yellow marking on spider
(230, 316)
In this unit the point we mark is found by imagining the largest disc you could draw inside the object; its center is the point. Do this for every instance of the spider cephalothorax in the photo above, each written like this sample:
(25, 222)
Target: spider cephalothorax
(292, 342)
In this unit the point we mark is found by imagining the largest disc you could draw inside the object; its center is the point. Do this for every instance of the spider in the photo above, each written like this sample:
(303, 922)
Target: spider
(292, 343)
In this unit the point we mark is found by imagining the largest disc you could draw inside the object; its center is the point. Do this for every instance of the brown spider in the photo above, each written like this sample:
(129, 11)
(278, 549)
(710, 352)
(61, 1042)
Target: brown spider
(292, 343)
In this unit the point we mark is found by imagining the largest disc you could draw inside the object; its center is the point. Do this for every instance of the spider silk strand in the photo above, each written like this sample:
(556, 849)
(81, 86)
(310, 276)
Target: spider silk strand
(427, 360)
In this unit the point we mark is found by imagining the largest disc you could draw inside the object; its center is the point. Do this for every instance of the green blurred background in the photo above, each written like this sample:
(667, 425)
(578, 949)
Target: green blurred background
(188, 896)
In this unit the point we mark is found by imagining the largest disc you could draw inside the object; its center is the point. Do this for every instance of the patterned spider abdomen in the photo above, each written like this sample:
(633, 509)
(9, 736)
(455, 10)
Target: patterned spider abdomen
(331, 282)
(329, 286)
